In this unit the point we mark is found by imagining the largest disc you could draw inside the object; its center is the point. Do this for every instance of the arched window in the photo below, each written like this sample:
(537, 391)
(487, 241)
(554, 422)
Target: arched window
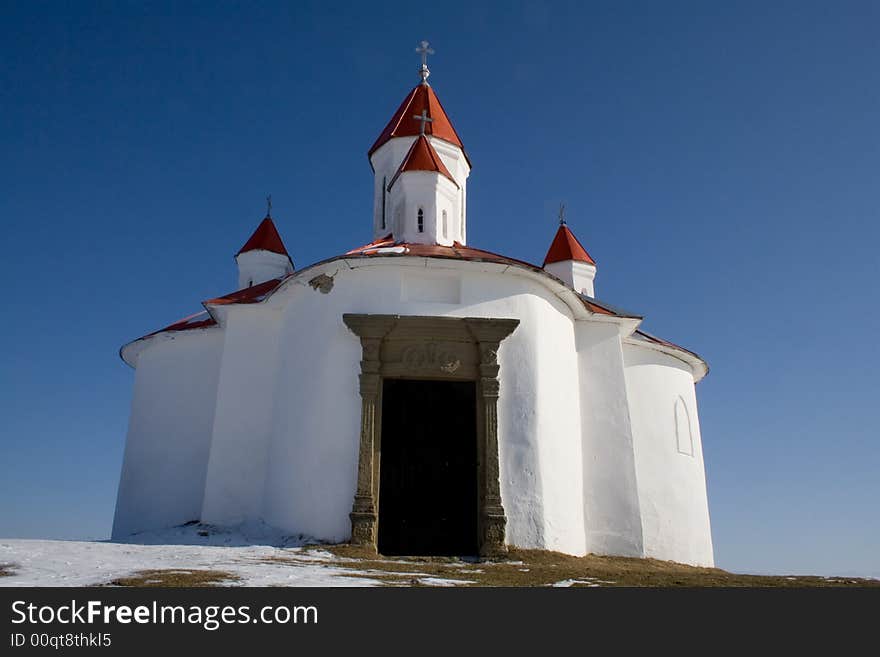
(445, 228)
(684, 438)
(461, 219)
(420, 221)
(384, 191)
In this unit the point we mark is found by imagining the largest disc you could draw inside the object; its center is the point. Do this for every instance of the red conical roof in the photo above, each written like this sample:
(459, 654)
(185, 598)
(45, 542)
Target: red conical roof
(402, 124)
(565, 246)
(265, 237)
(421, 156)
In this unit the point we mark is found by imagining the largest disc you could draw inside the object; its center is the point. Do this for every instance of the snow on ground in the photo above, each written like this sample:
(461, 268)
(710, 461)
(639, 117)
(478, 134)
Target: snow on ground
(251, 553)
(586, 581)
(81, 563)
(440, 581)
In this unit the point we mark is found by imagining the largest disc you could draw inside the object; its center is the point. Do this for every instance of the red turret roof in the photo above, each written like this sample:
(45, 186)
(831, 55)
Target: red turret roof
(565, 246)
(402, 124)
(265, 237)
(421, 156)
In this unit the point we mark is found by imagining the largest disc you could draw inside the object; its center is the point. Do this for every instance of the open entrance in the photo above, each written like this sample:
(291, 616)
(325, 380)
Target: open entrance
(428, 498)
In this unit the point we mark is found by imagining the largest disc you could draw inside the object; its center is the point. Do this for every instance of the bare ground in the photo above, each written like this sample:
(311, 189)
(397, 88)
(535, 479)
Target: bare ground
(524, 568)
(176, 578)
(541, 568)
(6, 569)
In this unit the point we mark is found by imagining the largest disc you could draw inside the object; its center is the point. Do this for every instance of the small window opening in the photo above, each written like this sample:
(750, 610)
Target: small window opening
(445, 226)
(461, 219)
(684, 436)
(384, 191)
(420, 221)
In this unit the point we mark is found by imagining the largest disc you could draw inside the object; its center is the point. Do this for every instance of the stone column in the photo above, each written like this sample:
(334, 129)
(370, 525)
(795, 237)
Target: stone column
(492, 518)
(364, 517)
(488, 334)
(363, 513)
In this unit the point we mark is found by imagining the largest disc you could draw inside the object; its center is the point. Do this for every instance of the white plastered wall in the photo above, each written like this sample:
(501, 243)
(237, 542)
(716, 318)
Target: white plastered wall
(610, 498)
(433, 194)
(579, 275)
(282, 443)
(313, 456)
(169, 433)
(259, 266)
(242, 424)
(669, 457)
(386, 161)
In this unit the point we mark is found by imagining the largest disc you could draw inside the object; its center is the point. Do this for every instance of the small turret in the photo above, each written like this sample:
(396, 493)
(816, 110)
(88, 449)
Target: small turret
(263, 257)
(569, 261)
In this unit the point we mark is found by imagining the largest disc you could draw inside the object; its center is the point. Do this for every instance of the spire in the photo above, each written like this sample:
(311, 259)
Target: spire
(565, 245)
(265, 238)
(569, 261)
(263, 257)
(408, 120)
(422, 157)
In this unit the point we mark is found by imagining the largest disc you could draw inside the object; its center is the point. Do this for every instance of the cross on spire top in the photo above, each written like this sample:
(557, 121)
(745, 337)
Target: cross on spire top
(562, 214)
(269, 206)
(424, 50)
(424, 118)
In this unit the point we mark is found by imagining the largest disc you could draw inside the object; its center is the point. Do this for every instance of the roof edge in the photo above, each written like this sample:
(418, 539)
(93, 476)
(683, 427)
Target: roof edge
(595, 309)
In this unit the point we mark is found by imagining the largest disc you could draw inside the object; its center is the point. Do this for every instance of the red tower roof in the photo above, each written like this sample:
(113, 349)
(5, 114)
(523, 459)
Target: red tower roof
(565, 246)
(421, 156)
(403, 123)
(265, 237)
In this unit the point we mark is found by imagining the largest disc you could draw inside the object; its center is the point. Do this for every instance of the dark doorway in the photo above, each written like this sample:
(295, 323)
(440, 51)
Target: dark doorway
(428, 468)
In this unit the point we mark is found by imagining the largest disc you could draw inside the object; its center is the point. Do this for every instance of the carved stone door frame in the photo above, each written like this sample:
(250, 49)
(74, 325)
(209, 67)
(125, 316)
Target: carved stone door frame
(440, 348)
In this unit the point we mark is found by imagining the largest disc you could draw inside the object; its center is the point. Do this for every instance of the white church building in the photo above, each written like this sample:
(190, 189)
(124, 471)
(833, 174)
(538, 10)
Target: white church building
(417, 394)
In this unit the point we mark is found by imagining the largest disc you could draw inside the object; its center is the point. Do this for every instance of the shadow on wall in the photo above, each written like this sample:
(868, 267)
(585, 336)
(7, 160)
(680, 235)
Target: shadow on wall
(522, 491)
(198, 533)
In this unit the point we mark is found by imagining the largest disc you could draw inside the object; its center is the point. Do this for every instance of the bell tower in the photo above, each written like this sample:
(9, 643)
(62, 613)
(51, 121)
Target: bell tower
(420, 171)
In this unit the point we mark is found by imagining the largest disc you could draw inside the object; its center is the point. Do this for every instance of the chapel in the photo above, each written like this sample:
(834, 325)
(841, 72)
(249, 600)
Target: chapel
(417, 394)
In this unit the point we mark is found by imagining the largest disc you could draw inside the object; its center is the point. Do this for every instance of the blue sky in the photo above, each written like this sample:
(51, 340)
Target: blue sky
(720, 161)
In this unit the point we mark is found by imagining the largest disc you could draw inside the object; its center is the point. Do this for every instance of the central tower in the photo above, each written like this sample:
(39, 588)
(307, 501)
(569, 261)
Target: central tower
(421, 171)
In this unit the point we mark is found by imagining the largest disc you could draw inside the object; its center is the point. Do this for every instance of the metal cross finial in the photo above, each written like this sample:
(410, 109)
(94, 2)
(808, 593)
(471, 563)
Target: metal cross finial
(424, 118)
(269, 206)
(424, 50)
(562, 214)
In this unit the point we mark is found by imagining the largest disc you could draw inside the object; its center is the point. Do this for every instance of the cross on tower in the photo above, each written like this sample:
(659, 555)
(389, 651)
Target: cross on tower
(269, 206)
(424, 118)
(562, 214)
(424, 50)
